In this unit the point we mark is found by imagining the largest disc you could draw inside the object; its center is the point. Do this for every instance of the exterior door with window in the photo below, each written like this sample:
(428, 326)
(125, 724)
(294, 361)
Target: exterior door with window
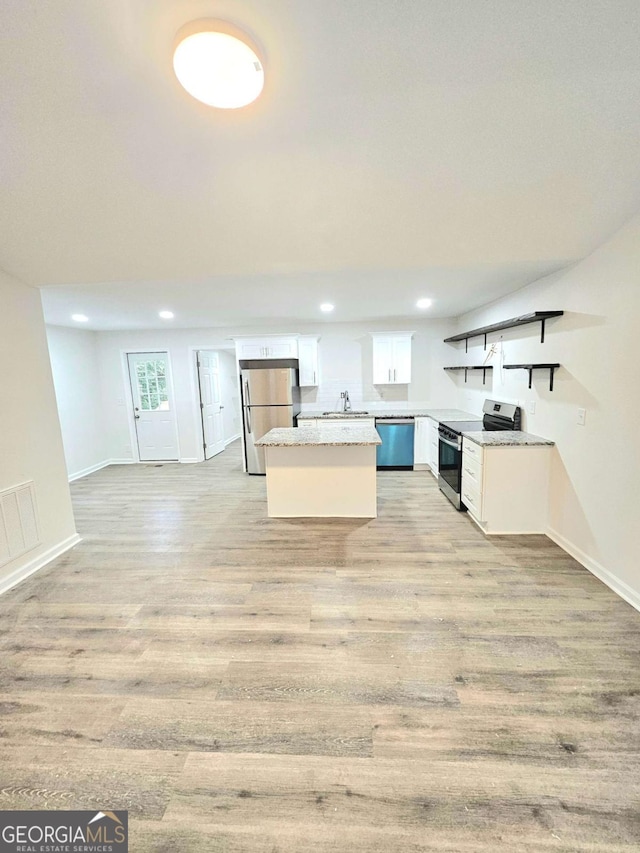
(210, 403)
(153, 407)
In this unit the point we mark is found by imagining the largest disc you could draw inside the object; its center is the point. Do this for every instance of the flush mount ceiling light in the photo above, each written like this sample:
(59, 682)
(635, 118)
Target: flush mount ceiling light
(423, 303)
(166, 315)
(327, 307)
(79, 318)
(218, 64)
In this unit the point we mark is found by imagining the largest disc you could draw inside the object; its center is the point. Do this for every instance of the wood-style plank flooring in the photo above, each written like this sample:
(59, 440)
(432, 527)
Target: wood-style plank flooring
(245, 684)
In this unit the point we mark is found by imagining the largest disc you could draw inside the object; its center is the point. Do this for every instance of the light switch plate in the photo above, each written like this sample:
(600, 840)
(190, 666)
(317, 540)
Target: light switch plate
(582, 416)
(531, 407)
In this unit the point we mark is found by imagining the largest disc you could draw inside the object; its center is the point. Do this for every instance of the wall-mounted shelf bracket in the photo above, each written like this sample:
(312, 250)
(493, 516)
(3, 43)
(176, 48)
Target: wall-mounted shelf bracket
(531, 367)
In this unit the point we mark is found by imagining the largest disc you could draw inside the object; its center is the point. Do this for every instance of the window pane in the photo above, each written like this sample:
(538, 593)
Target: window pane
(153, 386)
(144, 386)
(151, 368)
(162, 384)
(160, 368)
(144, 402)
(140, 370)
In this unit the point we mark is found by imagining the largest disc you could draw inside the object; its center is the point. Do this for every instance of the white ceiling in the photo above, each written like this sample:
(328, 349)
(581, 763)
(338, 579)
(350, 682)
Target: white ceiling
(447, 148)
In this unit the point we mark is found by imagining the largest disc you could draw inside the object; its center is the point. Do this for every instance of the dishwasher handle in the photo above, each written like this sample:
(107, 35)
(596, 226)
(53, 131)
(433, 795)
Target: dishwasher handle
(390, 421)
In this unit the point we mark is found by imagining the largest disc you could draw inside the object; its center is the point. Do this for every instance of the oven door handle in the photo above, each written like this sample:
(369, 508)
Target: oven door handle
(455, 445)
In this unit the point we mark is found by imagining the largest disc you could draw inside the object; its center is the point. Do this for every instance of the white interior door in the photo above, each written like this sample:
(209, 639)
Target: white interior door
(153, 407)
(210, 403)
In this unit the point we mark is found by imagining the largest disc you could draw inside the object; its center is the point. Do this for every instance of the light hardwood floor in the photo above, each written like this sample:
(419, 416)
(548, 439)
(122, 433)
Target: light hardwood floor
(247, 684)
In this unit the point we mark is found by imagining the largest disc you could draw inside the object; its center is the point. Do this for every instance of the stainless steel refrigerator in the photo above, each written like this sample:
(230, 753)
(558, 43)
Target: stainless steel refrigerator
(270, 398)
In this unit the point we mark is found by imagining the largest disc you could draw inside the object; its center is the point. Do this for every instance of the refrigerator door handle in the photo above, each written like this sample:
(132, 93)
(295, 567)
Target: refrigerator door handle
(248, 410)
(247, 399)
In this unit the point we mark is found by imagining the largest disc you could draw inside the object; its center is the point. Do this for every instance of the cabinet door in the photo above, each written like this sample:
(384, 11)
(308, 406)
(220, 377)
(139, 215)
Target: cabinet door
(382, 361)
(421, 442)
(267, 348)
(282, 349)
(402, 360)
(308, 356)
(251, 349)
(433, 445)
(342, 422)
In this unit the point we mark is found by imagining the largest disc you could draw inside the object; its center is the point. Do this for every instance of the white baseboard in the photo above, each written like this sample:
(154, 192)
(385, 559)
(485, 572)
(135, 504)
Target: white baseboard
(22, 572)
(188, 460)
(89, 470)
(127, 461)
(233, 438)
(630, 595)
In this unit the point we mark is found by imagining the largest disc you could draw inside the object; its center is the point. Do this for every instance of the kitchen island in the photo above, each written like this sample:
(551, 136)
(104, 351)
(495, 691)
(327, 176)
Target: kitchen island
(321, 472)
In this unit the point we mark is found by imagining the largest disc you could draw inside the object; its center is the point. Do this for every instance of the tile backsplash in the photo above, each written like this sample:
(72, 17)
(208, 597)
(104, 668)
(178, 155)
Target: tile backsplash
(327, 395)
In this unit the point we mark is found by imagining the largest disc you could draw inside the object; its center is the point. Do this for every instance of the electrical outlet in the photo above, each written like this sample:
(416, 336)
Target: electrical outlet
(531, 407)
(582, 416)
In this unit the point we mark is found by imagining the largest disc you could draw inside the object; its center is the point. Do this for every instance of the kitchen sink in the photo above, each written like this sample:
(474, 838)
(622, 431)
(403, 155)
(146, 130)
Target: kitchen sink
(346, 414)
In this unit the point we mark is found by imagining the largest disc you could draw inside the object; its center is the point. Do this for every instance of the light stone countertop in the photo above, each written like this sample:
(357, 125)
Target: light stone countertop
(328, 436)
(507, 438)
(372, 411)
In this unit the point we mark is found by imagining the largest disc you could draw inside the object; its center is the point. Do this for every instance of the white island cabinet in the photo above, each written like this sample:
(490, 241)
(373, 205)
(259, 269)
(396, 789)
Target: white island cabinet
(505, 481)
(321, 472)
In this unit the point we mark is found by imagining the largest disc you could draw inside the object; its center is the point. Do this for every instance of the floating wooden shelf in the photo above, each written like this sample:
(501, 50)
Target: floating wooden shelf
(535, 317)
(466, 367)
(531, 367)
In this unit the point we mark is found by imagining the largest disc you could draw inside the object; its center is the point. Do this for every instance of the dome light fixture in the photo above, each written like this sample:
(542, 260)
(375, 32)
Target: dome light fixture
(218, 64)
(165, 315)
(327, 307)
(423, 303)
(80, 318)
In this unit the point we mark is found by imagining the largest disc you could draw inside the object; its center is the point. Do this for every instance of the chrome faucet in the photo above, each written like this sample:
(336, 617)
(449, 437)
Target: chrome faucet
(346, 405)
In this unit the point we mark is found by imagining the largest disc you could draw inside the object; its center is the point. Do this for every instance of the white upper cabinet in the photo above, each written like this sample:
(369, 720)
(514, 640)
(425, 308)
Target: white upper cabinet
(392, 358)
(271, 347)
(309, 362)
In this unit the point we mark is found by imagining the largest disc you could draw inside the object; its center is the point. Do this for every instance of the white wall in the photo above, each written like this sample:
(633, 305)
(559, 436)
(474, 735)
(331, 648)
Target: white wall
(232, 415)
(596, 474)
(30, 440)
(77, 381)
(346, 362)
(181, 345)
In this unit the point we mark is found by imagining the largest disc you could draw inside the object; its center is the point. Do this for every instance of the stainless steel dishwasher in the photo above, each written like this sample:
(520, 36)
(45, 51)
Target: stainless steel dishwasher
(396, 451)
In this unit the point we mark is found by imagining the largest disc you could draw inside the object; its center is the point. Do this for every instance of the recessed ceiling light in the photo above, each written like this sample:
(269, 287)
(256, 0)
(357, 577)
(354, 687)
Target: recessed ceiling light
(79, 318)
(166, 315)
(423, 303)
(218, 64)
(327, 307)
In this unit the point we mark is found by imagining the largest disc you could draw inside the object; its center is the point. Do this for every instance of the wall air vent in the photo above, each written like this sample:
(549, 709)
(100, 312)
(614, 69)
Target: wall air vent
(18, 522)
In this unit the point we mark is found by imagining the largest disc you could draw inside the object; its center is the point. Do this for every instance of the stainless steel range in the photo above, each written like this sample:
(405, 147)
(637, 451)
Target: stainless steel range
(497, 416)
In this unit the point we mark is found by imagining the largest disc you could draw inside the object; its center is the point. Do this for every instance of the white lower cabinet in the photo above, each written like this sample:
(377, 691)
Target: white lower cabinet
(339, 422)
(506, 488)
(425, 444)
(421, 441)
(433, 445)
